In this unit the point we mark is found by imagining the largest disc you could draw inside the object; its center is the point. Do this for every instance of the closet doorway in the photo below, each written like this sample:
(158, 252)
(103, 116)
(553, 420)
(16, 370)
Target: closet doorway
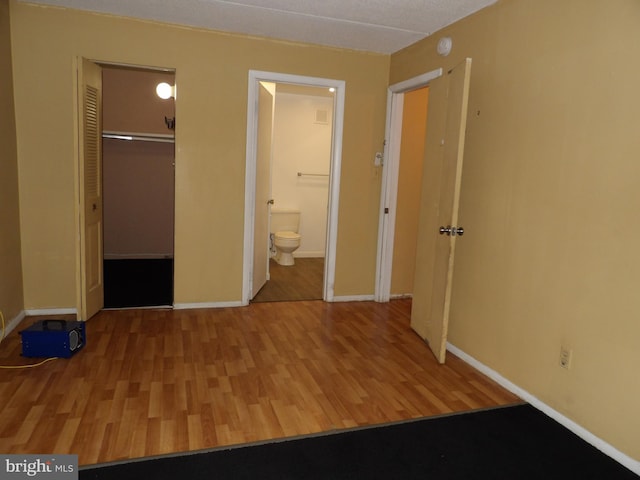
(138, 187)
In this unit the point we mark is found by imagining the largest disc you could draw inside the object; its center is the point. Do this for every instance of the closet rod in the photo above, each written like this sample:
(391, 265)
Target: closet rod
(300, 174)
(142, 137)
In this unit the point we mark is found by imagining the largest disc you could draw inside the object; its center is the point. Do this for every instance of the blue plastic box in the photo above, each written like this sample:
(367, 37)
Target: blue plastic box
(53, 338)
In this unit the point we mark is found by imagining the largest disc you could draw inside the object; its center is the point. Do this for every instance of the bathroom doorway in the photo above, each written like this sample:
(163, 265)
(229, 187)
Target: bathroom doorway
(304, 124)
(300, 160)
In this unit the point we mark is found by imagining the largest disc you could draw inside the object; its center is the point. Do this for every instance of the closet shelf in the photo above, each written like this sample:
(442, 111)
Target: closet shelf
(141, 137)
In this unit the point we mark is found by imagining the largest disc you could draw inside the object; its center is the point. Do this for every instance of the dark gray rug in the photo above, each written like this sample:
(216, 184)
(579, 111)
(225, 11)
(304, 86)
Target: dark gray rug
(517, 442)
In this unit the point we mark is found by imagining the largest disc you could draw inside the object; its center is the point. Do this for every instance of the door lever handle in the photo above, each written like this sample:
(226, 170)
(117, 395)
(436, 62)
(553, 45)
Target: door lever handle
(451, 231)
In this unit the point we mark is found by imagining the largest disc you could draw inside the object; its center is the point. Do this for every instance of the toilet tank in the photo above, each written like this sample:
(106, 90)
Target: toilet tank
(284, 220)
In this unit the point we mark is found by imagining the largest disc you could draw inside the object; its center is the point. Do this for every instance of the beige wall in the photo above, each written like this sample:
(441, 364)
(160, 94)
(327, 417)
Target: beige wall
(138, 185)
(414, 124)
(130, 102)
(211, 78)
(11, 298)
(550, 202)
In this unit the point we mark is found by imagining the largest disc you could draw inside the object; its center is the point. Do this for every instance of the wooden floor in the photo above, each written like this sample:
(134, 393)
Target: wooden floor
(153, 382)
(302, 281)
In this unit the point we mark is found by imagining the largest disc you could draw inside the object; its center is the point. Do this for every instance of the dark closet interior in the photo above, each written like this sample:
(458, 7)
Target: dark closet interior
(138, 180)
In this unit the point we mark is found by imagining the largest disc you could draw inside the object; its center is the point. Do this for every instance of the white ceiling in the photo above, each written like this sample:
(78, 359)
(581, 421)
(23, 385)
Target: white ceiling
(382, 26)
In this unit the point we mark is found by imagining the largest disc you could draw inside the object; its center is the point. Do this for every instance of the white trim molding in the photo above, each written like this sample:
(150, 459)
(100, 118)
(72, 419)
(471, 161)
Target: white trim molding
(51, 311)
(187, 306)
(354, 298)
(587, 436)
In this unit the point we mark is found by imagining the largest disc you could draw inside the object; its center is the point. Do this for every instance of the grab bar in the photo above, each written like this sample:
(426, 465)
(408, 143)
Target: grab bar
(300, 174)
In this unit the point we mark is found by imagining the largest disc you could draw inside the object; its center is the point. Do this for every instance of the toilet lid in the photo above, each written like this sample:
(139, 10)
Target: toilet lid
(287, 235)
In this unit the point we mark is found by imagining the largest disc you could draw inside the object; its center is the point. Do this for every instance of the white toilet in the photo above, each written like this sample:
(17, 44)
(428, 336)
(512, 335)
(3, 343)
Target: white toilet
(284, 231)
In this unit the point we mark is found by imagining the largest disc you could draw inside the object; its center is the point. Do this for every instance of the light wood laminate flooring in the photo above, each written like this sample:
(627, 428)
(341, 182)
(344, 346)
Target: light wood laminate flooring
(152, 382)
(302, 281)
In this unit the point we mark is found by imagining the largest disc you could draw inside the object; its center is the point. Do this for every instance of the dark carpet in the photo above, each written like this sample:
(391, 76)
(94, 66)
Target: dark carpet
(135, 282)
(517, 442)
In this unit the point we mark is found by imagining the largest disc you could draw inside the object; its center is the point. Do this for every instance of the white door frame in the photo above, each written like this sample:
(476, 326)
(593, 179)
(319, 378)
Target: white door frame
(255, 77)
(390, 172)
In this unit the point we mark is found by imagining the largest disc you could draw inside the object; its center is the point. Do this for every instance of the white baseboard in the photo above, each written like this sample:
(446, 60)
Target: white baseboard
(238, 303)
(309, 254)
(397, 296)
(353, 298)
(13, 323)
(185, 306)
(606, 448)
(51, 311)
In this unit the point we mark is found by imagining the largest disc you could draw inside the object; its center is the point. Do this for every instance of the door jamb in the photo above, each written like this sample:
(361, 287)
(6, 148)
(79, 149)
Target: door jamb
(390, 173)
(78, 181)
(256, 76)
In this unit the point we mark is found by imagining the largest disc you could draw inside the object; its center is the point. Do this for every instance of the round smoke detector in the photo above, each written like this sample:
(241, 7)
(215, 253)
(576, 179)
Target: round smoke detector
(444, 46)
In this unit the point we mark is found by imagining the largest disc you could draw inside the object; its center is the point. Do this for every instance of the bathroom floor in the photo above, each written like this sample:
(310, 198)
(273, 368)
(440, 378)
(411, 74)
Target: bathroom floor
(302, 281)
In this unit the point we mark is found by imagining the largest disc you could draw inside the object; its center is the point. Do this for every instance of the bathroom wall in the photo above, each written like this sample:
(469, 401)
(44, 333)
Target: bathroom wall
(302, 143)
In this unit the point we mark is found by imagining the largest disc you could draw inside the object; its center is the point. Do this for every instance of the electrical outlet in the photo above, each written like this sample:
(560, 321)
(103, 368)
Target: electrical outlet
(565, 357)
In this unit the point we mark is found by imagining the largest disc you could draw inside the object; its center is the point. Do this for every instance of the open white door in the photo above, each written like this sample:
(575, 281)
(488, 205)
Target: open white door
(439, 230)
(90, 183)
(266, 105)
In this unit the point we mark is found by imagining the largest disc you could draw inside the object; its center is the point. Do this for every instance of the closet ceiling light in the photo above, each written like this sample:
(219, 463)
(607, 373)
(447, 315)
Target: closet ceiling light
(165, 91)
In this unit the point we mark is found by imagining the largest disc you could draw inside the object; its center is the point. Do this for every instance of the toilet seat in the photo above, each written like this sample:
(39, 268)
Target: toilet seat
(287, 235)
